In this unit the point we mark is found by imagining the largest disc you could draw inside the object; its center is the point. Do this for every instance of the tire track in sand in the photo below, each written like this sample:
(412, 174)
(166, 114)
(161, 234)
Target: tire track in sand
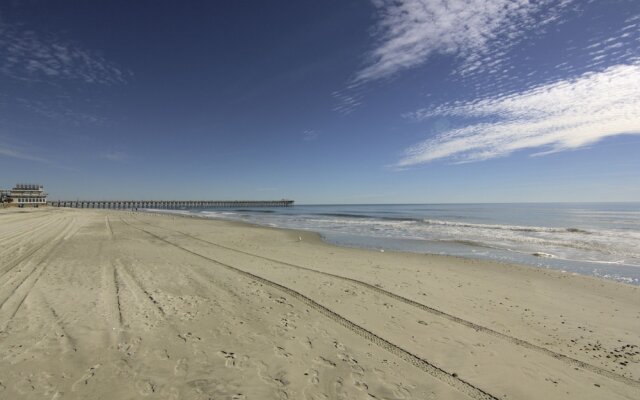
(426, 366)
(111, 297)
(109, 230)
(24, 228)
(22, 225)
(7, 311)
(573, 362)
(54, 325)
(143, 298)
(43, 244)
(130, 282)
(17, 243)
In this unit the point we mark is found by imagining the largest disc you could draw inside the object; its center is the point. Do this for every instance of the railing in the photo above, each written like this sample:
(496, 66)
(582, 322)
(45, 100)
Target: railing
(168, 204)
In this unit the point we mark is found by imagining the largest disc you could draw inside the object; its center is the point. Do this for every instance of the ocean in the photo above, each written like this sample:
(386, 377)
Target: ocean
(599, 239)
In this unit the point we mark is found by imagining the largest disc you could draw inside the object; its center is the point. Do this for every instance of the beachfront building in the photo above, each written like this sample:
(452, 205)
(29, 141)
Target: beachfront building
(4, 197)
(27, 195)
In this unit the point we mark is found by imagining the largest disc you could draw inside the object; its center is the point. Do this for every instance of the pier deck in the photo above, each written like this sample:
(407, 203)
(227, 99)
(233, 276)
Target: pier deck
(168, 204)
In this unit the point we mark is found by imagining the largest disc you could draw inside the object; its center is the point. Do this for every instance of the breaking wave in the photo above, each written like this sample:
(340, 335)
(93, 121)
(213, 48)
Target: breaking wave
(514, 228)
(598, 239)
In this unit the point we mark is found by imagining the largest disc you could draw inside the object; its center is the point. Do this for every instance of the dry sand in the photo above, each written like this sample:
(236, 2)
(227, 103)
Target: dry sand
(112, 305)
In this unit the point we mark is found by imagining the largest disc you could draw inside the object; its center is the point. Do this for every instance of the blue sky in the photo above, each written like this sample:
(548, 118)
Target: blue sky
(323, 102)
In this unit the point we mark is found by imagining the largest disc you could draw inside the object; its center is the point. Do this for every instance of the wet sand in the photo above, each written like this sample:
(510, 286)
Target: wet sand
(115, 305)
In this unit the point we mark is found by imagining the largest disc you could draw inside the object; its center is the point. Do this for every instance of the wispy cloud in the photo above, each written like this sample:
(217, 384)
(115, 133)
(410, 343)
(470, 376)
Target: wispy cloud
(566, 114)
(310, 135)
(410, 31)
(115, 156)
(479, 34)
(27, 55)
(619, 47)
(347, 102)
(57, 109)
(13, 152)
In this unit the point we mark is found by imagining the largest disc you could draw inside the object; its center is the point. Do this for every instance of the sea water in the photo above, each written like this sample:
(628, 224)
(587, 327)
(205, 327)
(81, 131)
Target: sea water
(600, 239)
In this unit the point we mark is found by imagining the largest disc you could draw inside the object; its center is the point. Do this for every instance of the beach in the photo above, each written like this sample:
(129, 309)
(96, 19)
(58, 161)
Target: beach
(119, 305)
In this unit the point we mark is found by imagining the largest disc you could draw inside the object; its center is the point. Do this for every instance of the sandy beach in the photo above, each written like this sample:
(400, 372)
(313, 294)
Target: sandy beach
(115, 305)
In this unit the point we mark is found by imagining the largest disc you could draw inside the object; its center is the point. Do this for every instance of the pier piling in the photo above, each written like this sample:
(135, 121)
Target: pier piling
(168, 204)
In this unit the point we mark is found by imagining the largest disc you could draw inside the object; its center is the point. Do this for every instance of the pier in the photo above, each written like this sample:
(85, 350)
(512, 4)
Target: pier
(168, 204)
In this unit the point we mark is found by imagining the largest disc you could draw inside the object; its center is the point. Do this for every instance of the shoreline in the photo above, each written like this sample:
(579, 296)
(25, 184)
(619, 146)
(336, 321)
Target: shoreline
(323, 240)
(191, 307)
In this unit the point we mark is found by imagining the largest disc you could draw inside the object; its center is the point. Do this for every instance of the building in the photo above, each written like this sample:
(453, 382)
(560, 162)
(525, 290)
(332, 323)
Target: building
(4, 197)
(27, 195)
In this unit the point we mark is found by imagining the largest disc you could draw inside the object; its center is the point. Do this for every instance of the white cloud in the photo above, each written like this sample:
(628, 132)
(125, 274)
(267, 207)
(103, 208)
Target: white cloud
(310, 135)
(25, 55)
(478, 31)
(115, 156)
(348, 101)
(57, 110)
(566, 114)
(10, 151)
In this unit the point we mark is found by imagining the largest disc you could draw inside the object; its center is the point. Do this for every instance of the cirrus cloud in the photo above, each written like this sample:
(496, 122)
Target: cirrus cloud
(115, 156)
(29, 56)
(566, 114)
(6, 151)
(410, 31)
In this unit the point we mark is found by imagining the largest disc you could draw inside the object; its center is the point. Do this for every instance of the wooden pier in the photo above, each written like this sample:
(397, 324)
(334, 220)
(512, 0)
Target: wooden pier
(168, 204)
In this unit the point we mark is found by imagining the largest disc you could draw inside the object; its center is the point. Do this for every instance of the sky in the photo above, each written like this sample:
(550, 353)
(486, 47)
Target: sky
(381, 101)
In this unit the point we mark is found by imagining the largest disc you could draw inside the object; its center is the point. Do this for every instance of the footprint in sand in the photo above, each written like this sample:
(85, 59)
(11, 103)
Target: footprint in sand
(338, 345)
(357, 372)
(286, 323)
(313, 376)
(282, 300)
(25, 385)
(130, 347)
(181, 368)
(401, 392)
(347, 358)
(314, 391)
(279, 381)
(338, 386)
(215, 389)
(146, 387)
(324, 361)
(315, 396)
(360, 385)
(306, 342)
(38, 383)
(85, 378)
(231, 360)
(281, 352)
(188, 336)
(162, 354)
